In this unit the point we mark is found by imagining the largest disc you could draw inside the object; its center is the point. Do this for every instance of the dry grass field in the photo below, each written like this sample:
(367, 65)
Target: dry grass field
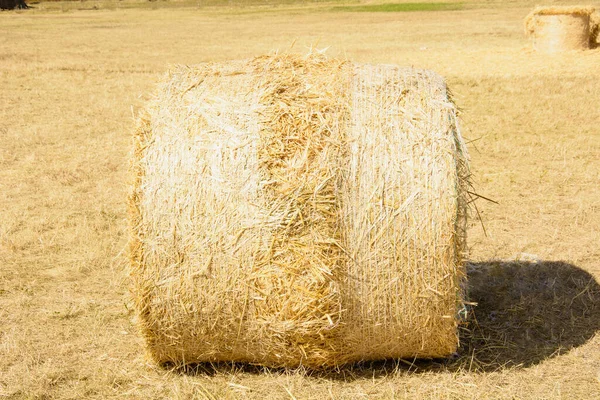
(70, 82)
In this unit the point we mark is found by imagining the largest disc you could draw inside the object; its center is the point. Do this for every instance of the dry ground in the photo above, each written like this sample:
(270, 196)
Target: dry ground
(69, 83)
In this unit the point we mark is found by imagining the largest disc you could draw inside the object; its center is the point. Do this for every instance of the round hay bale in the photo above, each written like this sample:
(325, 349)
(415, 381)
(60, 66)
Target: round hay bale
(560, 28)
(293, 210)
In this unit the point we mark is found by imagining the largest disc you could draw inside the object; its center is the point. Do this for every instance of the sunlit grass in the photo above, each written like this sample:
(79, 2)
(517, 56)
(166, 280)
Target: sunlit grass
(71, 5)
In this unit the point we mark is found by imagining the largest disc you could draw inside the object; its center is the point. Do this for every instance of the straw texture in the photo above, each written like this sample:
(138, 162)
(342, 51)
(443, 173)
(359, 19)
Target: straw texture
(298, 210)
(560, 28)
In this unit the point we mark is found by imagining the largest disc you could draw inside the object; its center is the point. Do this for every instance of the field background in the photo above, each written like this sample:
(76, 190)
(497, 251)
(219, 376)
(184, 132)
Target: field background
(73, 74)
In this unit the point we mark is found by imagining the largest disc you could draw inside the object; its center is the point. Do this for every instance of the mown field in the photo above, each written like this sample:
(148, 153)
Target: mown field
(74, 74)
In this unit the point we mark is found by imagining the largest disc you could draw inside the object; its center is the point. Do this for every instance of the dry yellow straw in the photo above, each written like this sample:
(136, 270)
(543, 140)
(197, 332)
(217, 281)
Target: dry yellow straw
(560, 28)
(298, 210)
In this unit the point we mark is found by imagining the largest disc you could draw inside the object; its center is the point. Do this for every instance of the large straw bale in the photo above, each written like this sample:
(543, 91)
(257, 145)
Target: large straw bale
(298, 210)
(560, 28)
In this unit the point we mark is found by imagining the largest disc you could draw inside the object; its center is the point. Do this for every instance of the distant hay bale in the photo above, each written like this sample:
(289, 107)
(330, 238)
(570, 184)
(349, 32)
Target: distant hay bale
(294, 210)
(560, 28)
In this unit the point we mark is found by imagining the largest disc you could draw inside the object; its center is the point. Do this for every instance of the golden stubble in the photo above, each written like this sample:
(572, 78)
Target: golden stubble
(68, 85)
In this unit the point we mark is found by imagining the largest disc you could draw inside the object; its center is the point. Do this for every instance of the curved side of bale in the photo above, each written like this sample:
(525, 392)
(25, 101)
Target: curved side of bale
(405, 215)
(301, 152)
(560, 28)
(196, 216)
(298, 211)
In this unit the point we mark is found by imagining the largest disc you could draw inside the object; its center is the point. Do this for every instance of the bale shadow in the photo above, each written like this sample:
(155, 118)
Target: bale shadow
(526, 313)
